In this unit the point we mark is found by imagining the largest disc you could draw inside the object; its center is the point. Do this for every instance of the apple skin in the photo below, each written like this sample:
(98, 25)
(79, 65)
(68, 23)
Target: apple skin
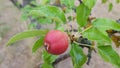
(56, 42)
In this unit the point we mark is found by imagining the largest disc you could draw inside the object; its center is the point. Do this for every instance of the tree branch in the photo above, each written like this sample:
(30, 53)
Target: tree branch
(62, 57)
(17, 4)
(80, 1)
(28, 2)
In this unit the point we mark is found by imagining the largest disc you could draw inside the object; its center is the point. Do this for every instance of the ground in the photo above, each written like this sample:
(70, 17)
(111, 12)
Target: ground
(19, 55)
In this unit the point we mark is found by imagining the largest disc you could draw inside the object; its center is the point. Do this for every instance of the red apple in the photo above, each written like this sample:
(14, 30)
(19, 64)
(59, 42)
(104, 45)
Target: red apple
(56, 42)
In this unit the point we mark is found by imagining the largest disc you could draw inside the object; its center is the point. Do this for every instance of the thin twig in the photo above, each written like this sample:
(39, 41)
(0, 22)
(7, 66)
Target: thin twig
(17, 4)
(59, 59)
(62, 57)
(83, 45)
(80, 1)
(89, 56)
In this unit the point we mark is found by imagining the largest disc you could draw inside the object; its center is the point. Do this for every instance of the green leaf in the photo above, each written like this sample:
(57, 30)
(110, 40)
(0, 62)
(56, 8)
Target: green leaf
(117, 1)
(77, 55)
(68, 3)
(83, 13)
(110, 7)
(94, 34)
(109, 55)
(103, 24)
(46, 65)
(44, 20)
(51, 12)
(104, 1)
(38, 44)
(89, 3)
(98, 30)
(25, 11)
(59, 27)
(32, 25)
(48, 58)
(27, 34)
(44, 2)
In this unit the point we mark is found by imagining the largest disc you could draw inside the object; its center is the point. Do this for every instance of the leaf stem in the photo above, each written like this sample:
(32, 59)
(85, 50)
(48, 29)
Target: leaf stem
(86, 29)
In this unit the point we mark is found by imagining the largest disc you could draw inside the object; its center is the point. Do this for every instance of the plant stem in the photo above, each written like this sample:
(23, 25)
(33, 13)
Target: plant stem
(86, 29)
(80, 1)
(60, 58)
(85, 45)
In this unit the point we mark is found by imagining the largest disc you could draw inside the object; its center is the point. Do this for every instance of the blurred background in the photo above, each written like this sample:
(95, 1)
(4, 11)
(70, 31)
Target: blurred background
(20, 55)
